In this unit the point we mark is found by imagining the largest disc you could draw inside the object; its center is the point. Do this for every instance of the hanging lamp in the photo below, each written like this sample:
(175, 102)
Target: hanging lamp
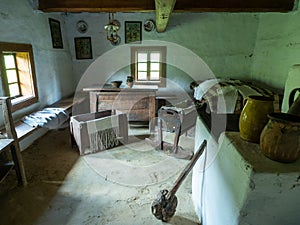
(112, 29)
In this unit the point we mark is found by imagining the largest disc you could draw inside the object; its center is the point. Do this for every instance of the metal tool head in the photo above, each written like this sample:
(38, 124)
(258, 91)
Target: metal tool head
(164, 208)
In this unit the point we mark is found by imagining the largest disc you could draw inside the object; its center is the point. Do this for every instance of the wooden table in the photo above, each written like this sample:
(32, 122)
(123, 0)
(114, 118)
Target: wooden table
(137, 103)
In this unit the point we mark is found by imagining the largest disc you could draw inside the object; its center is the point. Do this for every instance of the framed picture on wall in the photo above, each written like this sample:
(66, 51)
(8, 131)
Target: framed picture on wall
(83, 47)
(133, 32)
(55, 33)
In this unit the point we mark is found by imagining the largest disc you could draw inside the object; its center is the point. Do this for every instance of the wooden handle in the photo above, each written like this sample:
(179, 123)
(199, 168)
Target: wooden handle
(186, 170)
(245, 101)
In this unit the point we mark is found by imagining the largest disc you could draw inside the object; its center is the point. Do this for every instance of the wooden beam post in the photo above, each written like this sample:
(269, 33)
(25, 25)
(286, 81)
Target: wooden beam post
(164, 9)
(12, 134)
(181, 5)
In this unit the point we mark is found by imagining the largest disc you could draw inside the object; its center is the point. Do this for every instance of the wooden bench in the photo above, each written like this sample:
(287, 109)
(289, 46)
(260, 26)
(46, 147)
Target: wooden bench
(18, 131)
(24, 130)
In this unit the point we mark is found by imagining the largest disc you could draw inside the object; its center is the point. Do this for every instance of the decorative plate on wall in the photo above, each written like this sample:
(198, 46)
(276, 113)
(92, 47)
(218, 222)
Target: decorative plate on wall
(82, 26)
(149, 25)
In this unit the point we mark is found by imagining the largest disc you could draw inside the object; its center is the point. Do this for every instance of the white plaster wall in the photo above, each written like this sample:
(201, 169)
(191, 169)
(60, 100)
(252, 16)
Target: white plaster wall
(241, 186)
(20, 23)
(274, 199)
(199, 174)
(277, 47)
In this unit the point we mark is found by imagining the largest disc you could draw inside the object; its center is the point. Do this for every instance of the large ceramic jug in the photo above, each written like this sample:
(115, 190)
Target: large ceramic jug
(294, 105)
(254, 117)
(280, 138)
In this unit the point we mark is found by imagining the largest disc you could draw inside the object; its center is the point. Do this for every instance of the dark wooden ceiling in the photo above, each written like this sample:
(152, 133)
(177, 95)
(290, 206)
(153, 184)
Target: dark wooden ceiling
(180, 5)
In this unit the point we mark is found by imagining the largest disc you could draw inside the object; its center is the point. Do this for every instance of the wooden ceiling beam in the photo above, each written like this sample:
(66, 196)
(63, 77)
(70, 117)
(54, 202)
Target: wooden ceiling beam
(163, 10)
(235, 5)
(96, 5)
(180, 6)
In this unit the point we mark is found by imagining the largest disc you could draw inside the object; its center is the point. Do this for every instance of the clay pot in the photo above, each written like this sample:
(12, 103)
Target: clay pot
(280, 138)
(254, 117)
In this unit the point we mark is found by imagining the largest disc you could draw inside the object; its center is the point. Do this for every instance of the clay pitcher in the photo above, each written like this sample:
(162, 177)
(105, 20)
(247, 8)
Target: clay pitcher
(280, 138)
(294, 105)
(254, 117)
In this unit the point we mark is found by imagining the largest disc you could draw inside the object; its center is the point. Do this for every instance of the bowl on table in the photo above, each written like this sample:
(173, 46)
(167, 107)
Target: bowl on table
(116, 83)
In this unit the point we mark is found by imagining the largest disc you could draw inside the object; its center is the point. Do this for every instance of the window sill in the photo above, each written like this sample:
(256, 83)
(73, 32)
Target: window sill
(22, 102)
(142, 86)
(151, 83)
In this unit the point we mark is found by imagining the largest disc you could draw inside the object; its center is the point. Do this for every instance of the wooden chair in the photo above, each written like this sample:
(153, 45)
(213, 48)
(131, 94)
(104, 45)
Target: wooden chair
(10, 144)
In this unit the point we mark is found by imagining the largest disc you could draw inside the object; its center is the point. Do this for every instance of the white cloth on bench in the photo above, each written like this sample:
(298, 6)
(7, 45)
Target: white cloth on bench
(51, 118)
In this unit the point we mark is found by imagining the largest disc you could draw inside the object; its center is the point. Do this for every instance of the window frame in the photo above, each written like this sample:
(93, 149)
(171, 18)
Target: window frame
(162, 50)
(7, 84)
(24, 100)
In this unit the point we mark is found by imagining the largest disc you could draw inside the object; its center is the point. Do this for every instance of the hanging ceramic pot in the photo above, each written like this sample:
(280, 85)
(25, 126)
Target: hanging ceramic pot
(280, 138)
(254, 117)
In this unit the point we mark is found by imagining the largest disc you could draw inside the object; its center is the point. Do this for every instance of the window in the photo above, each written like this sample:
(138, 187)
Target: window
(148, 65)
(18, 74)
(13, 81)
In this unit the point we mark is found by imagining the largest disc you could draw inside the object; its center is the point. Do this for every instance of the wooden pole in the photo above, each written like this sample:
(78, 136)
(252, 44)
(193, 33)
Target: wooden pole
(12, 134)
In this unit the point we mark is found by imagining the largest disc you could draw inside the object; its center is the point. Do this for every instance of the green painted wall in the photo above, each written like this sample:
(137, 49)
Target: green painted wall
(224, 42)
(277, 47)
(258, 46)
(20, 23)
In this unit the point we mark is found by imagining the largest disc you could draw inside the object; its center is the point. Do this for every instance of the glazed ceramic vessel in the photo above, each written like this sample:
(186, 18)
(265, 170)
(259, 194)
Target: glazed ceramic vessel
(129, 81)
(254, 117)
(280, 138)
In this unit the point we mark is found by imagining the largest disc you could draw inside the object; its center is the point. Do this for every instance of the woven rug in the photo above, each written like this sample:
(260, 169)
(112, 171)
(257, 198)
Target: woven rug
(138, 163)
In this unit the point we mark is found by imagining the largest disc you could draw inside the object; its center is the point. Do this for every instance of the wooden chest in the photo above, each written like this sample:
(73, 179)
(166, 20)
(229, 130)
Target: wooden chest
(83, 126)
(139, 105)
